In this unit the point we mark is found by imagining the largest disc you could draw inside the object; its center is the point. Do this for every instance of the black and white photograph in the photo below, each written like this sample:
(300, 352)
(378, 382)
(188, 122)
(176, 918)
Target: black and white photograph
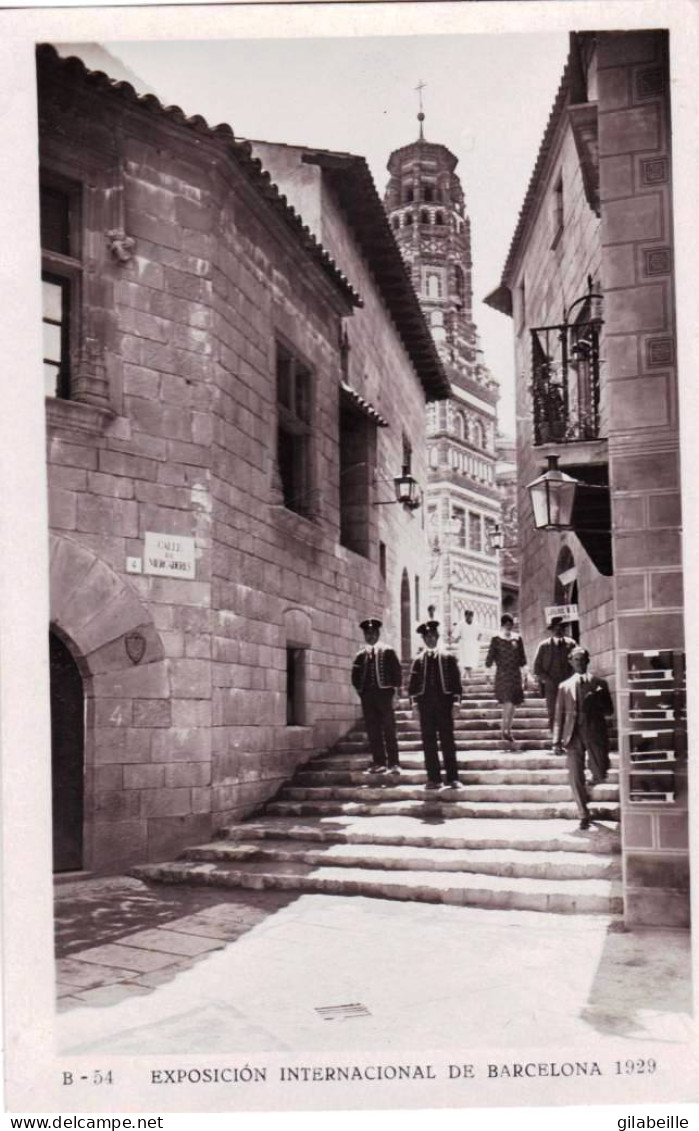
(346, 598)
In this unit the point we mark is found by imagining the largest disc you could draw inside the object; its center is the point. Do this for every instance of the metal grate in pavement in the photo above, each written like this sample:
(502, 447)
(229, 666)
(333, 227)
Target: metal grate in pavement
(342, 1012)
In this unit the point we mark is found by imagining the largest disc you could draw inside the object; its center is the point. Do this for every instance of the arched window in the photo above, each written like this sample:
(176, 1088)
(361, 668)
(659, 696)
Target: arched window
(459, 282)
(424, 216)
(396, 221)
(428, 194)
(459, 425)
(478, 433)
(409, 194)
(434, 285)
(408, 218)
(434, 457)
(439, 218)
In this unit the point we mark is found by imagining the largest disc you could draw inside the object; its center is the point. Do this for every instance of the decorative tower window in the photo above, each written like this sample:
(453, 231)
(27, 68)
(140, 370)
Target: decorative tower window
(425, 217)
(439, 218)
(408, 218)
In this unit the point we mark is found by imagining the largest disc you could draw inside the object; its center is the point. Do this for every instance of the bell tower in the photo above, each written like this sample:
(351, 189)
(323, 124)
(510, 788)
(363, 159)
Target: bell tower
(426, 208)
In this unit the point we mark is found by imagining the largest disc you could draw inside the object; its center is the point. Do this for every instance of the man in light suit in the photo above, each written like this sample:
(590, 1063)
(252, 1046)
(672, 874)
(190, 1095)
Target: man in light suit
(376, 676)
(435, 685)
(580, 725)
(552, 663)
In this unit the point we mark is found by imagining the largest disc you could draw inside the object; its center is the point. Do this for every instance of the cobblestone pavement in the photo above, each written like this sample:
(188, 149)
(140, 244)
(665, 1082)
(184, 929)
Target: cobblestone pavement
(119, 937)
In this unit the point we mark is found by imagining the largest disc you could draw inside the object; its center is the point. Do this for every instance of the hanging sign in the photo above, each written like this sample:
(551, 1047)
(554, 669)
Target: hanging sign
(169, 555)
(568, 612)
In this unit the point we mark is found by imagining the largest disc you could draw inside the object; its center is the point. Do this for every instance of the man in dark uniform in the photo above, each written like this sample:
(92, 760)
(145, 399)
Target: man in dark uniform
(552, 664)
(376, 676)
(435, 685)
(580, 727)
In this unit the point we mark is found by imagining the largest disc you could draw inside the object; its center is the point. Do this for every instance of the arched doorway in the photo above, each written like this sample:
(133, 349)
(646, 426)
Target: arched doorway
(405, 618)
(67, 757)
(566, 588)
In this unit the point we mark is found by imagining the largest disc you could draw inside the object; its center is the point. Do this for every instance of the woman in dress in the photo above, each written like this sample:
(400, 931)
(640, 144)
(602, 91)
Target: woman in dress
(507, 653)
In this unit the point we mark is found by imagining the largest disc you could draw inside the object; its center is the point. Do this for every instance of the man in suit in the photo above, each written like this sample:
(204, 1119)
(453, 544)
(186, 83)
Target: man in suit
(580, 725)
(552, 663)
(376, 676)
(435, 685)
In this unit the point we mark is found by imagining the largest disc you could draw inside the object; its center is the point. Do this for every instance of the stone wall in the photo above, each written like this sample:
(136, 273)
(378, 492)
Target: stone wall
(637, 251)
(195, 732)
(548, 280)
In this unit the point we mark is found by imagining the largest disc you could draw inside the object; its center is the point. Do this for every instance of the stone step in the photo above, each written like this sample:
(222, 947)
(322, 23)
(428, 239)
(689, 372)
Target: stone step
(414, 742)
(457, 834)
(314, 776)
(587, 896)
(507, 759)
(442, 804)
(484, 861)
(386, 788)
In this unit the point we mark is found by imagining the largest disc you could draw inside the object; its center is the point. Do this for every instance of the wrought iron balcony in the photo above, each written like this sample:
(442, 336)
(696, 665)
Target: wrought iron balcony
(565, 384)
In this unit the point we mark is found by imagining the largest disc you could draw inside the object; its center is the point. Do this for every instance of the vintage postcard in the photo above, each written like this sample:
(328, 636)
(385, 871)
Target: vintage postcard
(347, 630)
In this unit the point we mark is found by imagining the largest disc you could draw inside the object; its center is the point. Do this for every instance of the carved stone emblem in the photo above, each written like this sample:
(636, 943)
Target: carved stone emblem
(135, 644)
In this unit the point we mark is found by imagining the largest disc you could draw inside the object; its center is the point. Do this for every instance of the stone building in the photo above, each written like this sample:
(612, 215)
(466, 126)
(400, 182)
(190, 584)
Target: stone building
(222, 422)
(589, 285)
(507, 540)
(425, 203)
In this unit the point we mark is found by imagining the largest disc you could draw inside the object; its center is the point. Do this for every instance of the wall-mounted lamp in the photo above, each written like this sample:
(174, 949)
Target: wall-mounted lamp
(407, 491)
(552, 496)
(496, 540)
(560, 502)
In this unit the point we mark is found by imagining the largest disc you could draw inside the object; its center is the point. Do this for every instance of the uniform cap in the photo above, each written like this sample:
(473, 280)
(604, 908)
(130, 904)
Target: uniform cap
(370, 622)
(427, 626)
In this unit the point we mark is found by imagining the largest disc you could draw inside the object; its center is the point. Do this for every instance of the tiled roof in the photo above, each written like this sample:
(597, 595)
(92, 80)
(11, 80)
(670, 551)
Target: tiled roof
(362, 405)
(49, 60)
(350, 179)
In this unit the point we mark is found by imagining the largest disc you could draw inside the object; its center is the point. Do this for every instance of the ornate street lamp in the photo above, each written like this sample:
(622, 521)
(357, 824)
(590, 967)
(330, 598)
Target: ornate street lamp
(552, 496)
(407, 490)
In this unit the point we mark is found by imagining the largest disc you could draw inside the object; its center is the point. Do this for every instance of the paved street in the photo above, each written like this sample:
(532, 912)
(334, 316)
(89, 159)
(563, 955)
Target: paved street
(248, 971)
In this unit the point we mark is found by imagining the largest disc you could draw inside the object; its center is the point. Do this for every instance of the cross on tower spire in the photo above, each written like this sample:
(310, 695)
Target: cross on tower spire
(421, 116)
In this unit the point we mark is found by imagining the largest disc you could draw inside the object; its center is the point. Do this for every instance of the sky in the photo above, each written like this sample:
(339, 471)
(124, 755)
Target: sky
(487, 97)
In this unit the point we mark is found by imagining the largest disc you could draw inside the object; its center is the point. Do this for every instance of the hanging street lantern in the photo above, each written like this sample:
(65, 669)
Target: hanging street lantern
(552, 496)
(407, 490)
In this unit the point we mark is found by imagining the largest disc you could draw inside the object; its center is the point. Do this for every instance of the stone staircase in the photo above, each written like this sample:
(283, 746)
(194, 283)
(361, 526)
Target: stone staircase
(508, 839)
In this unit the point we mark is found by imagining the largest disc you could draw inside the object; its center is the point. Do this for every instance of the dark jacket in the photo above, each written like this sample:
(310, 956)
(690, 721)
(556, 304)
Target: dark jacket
(389, 674)
(551, 664)
(449, 676)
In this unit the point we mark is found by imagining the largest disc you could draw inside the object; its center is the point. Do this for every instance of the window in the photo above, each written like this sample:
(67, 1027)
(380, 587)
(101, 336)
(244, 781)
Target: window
(521, 304)
(439, 218)
(357, 457)
(407, 455)
(433, 284)
(458, 515)
(475, 533)
(557, 218)
(396, 221)
(61, 272)
(382, 559)
(459, 283)
(294, 431)
(437, 325)
(428, 194)
(408, 218)
(417, 597)
(295, 686)
(409, 194)
(424, 216)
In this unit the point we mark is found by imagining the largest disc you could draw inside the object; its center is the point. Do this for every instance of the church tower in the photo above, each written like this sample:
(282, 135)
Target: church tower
(425, 204)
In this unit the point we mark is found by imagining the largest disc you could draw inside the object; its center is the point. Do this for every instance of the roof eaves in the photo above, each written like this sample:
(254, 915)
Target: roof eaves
(496, 298)
(354, 185)
(240, 150)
